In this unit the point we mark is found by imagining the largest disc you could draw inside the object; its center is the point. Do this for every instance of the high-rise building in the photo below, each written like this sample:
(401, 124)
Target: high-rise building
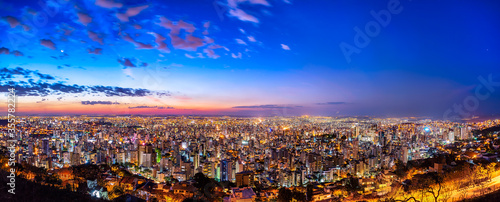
(45, 146)
(145, 157)
(404, 157)
(245, 178)
(225, 170)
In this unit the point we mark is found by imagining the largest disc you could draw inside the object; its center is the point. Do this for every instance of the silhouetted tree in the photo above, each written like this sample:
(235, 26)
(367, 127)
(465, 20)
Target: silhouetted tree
(284, 195)
(309, 192)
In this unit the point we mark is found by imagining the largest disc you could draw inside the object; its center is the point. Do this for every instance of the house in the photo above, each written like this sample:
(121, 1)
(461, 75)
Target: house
(184, 188)
(245, 194)
(65, 174)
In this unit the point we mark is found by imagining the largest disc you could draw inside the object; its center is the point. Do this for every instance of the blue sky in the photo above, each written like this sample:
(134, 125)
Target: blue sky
(250, 57)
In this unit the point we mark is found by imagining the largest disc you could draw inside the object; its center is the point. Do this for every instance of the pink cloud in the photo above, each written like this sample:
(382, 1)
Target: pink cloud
(94, 37)
(215, 46)
(243, 16)
(235, 11)
(239, 41)
(126, 62)
(236, 56)
(162, 46)
(108, 4)
(84, 18)
(48, 43)
(67, 32)
(96, 51)
(13, 22)
(234, 3)
(4, 50)
(131, 12)
(251, 39)
(191, 43)
(261, 2)
(136, 26)
(206, 25)
(211, 53)
(122, 17)
(26, 28)
(17, 53)
(143, 46)
(208, 40)
(285, 47)
(175, 27)
(138, 45)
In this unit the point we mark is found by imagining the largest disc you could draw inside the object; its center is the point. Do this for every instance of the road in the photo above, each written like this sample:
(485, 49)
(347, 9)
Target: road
(476, 191)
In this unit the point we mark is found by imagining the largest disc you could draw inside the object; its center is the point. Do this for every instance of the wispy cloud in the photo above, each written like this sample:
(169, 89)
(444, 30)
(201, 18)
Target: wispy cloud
(240, 14)
(132, 11)
(285, 47)
(239, 41)
(108, 4)
(99, 103)
(236, 55)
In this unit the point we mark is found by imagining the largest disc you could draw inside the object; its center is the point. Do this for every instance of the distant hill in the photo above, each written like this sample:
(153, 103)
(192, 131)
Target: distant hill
(488, 130)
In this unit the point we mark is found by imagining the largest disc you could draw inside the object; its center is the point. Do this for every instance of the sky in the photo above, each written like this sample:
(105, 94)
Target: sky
(385, 58)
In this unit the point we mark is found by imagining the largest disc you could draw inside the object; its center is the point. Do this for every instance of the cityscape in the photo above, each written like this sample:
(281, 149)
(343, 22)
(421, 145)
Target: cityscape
(258, 159)
(250, 100)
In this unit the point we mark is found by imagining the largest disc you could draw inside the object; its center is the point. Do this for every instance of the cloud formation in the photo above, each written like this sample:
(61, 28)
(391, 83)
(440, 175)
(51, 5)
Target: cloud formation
(96, 51)
(95, 37)
(239, 41)
(12, 21)
(48, 43)
(7, 74)
(137, 44)
(160, 45)
(126, 62)
(285, 47)
(166, 108)
(236, 56)
(143, 107)
(84, 18)
(6, 51)
(237, 12)
(45, 85)
(108, 4)
(99, 103)
(131, 12)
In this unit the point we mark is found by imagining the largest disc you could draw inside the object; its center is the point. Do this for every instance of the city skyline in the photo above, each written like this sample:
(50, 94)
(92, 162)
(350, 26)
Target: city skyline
(251, 57)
